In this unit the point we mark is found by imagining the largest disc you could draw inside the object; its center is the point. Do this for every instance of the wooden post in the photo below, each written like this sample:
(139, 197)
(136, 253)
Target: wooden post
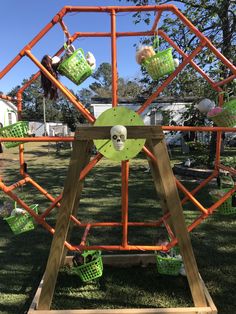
(75, 207)
(156, 178)
(167, 181)
(78, 159)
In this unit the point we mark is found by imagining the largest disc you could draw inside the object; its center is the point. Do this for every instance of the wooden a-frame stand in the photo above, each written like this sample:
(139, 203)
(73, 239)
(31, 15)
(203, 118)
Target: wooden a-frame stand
(166, 187)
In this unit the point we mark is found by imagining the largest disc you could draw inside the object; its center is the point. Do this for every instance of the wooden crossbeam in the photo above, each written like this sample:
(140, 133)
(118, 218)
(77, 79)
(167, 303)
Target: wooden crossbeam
(133, 132)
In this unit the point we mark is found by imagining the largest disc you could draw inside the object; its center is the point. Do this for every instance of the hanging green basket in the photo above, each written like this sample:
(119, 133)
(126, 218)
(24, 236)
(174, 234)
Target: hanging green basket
(22, 223)
(18, 129)
(226, 182)
(224, 118)
(231, 106)
(226, 207)
(91, 270)
(162, 63)
(167, 265)
(75, 67)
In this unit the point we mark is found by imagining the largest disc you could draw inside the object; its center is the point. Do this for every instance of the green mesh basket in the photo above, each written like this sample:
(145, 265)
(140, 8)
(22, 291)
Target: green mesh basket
(225, 208)
(231, 106)
(226, 182)
(91, 270)
(22, 223)
(168, 265)
(224, 118)
(18, 129)
(75, 67)
(160, 64)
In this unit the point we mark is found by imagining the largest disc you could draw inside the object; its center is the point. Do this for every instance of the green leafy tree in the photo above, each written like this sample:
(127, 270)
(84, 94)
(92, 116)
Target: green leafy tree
(216, 19)
(102, 87)
(60, 110)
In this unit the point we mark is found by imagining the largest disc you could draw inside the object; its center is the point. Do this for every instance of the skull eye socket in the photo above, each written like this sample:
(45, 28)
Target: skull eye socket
(122, 137)
(114, 137)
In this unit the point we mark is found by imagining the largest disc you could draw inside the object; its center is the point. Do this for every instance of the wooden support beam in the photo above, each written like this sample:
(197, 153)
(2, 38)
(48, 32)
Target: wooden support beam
(76, 204)
(156, 178)
(79, 157)
(167, 181)
(133, 132)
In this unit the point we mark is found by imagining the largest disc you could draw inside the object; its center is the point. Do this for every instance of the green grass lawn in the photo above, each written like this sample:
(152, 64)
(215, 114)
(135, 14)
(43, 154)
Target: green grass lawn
(23, 258)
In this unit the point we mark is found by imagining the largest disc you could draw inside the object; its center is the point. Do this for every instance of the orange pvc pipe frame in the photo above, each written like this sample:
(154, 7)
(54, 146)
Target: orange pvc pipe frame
(114, 59)
(113, 10)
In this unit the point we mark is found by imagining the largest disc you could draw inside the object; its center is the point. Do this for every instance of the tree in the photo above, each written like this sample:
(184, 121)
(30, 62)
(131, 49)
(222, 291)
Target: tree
(102, 87)
(60, 110)
(216, 19)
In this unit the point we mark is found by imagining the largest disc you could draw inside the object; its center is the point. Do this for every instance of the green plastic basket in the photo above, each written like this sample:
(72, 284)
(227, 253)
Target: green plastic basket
(168, 265)
(18, 129)
(75, 67)
(226, 182)
(225, 208)
(231, 106)
(160, 64)
(92, 270)
(22, 223)
(224, 118)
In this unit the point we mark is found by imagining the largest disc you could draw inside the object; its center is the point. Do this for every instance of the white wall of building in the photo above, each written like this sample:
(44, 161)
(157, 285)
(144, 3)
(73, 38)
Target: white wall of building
(52, 128)
(8, 113)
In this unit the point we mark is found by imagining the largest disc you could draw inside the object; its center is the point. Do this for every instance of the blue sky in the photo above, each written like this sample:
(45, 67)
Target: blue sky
(21, 20)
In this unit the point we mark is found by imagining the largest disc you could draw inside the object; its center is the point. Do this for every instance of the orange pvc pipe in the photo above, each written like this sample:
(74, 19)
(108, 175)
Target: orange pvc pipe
(169, 79)
(121, 248)
(141, 8)
(21, 160)
(118, 34)
(17, 184)
(41, 190)
(201, 185)
(50, 208)
(38, 139)
(90, 166)
(19, 105)
(124, 201)
(75, 220)
(64, 90)
(190, 196)
(118, 224)
(197, 128)
(196, 222)
(226, 81)
(114, 59)
(218, 149)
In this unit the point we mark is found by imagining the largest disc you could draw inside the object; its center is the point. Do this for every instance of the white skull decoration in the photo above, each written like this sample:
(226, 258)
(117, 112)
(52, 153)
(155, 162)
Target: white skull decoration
(118, 136)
